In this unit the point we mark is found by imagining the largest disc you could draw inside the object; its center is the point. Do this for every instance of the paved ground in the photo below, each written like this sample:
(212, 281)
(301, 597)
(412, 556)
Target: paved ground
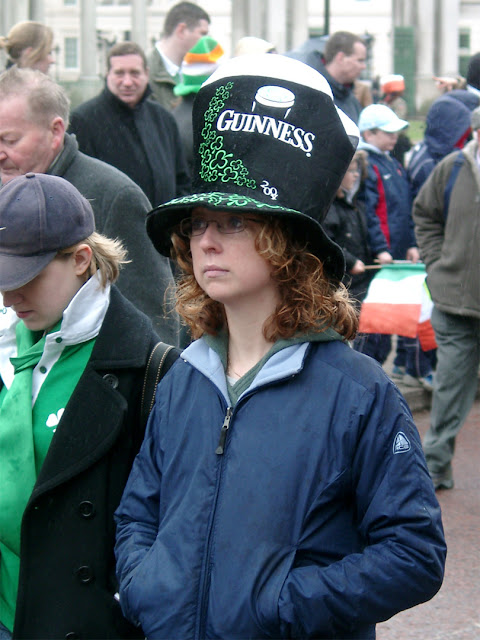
(454, 613)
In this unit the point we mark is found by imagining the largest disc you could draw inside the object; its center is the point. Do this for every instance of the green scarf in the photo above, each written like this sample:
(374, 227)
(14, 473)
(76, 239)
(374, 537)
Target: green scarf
(25, 436)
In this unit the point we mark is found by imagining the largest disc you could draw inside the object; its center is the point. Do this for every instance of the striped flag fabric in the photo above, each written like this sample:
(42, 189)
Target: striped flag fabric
(398, 302)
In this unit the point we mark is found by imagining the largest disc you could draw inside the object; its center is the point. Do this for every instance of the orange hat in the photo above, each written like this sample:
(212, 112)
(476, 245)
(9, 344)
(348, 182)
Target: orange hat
(393, 83)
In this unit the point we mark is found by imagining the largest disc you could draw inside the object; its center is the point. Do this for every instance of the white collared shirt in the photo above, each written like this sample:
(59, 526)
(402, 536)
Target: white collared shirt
(172, 68)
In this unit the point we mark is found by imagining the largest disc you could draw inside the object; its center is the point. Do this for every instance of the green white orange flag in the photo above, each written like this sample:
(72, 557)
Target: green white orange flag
(398, 302)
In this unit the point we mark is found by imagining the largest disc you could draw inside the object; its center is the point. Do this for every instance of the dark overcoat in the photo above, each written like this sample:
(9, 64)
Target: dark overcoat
(67, 569)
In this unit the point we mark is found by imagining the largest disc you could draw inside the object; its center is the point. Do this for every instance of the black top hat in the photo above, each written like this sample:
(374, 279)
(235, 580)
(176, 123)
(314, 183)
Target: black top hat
(268, 140)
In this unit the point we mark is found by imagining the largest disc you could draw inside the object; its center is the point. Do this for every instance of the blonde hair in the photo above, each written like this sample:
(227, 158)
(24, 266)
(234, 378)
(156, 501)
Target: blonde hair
(24, 35)
(309, 301)
(108, 256)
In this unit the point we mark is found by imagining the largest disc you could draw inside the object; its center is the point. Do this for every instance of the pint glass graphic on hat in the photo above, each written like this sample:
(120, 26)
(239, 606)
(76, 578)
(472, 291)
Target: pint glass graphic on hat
(274, 101)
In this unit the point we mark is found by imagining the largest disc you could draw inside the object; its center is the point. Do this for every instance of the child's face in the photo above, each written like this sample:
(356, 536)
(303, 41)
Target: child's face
(350, 177)
(41, 302)
(381, 139)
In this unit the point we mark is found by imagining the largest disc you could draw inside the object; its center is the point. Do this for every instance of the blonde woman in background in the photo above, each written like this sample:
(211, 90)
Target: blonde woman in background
(29, 44)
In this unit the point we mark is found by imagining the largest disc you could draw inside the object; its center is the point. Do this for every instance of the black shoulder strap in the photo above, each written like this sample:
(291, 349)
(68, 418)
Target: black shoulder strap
(160, 360)
(451, 181)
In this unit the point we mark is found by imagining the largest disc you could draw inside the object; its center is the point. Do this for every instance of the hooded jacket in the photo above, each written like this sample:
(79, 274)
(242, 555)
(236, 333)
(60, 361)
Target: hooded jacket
(449, 241)
(447, 124)
(308, 514)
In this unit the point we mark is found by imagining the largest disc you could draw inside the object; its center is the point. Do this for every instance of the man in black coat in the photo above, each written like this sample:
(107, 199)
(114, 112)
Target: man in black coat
(123, 127)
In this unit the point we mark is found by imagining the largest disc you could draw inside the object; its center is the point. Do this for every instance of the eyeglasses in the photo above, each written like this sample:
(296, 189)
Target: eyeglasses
(197, 225)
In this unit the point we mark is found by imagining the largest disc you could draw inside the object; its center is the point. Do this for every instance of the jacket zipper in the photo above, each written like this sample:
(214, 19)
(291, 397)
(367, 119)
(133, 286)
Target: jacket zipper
(223, 432)
(203, 602)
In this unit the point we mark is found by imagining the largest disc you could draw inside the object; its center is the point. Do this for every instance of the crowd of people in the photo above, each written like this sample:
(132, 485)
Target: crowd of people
(270, 481)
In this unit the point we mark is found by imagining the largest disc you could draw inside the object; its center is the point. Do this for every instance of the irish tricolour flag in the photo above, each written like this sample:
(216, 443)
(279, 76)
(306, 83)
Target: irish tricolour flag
(398, 302)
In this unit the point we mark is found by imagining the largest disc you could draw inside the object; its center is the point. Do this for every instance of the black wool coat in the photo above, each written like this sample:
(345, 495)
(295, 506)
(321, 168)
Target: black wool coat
(346, 224)
(67, 568)
(143, 142)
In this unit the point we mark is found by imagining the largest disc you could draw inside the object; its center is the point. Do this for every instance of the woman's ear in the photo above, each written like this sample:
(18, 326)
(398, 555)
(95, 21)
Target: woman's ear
(82, 257)
(24, 56)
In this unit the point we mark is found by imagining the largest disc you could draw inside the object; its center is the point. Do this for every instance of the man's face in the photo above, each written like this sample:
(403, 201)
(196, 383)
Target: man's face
(24, 145)
(192, 36)
(352, 65)
(127, 78)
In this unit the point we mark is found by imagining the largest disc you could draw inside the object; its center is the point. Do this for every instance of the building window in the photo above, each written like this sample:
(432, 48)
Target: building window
(69, 3)
(463, 50)
(71, 53)
(464, 39)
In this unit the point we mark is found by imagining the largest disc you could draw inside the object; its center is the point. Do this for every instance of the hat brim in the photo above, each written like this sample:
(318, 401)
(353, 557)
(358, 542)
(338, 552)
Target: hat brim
(163, 218)
(16, 271)
(394, 127)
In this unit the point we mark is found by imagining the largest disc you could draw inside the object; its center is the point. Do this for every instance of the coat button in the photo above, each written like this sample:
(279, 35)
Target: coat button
(85, 574)
(111, 380)
(86, 509)
(71, 635)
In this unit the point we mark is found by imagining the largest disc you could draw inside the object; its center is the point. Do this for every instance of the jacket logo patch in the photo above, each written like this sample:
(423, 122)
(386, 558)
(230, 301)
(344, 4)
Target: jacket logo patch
(401, 444)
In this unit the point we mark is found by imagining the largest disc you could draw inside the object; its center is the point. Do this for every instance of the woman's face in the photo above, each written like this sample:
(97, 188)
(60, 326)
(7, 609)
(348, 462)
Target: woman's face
(41, 302)
(44, 63)
(227, 266)
(40, 63)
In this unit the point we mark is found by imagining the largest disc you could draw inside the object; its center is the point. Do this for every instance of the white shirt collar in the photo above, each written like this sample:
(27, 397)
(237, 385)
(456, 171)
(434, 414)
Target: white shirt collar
(172, 68)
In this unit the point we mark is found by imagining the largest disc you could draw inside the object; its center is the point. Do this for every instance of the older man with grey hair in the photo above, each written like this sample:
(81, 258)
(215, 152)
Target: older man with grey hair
(34, 114)
(446, 213)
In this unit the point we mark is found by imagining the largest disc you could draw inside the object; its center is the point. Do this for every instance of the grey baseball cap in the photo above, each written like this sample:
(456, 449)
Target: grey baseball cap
(39, 215)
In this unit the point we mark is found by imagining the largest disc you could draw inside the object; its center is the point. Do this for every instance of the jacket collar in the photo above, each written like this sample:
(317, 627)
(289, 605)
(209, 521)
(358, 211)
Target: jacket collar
(119, 106)
(65, 158)
(282, 364)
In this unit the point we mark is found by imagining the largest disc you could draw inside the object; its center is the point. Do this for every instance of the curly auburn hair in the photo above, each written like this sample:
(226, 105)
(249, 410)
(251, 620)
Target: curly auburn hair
(310, 302)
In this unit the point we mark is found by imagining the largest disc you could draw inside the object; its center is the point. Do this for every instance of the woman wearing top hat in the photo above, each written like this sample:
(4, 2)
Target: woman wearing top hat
(281, 490)
(73, 353)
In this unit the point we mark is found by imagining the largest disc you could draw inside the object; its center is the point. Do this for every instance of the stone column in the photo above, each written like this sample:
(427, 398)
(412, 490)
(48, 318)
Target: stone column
(447, 55)
(427, 44)
(276, 24)
(37, 10)
(89, 82)
(139, 23)
(299, 26)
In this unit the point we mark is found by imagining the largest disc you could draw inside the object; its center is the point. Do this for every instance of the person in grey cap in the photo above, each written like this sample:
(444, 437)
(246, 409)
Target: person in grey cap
(281, 490)
(73, 353)
(446, 213)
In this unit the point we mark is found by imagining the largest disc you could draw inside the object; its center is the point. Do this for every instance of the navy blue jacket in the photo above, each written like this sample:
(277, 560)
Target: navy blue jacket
(447, 124)
(316, 519)
(388, 203)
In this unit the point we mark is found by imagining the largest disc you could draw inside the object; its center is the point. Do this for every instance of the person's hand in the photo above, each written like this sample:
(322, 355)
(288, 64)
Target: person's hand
(384, 257)
(358, 267)
(413, 254)
(445, 83)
